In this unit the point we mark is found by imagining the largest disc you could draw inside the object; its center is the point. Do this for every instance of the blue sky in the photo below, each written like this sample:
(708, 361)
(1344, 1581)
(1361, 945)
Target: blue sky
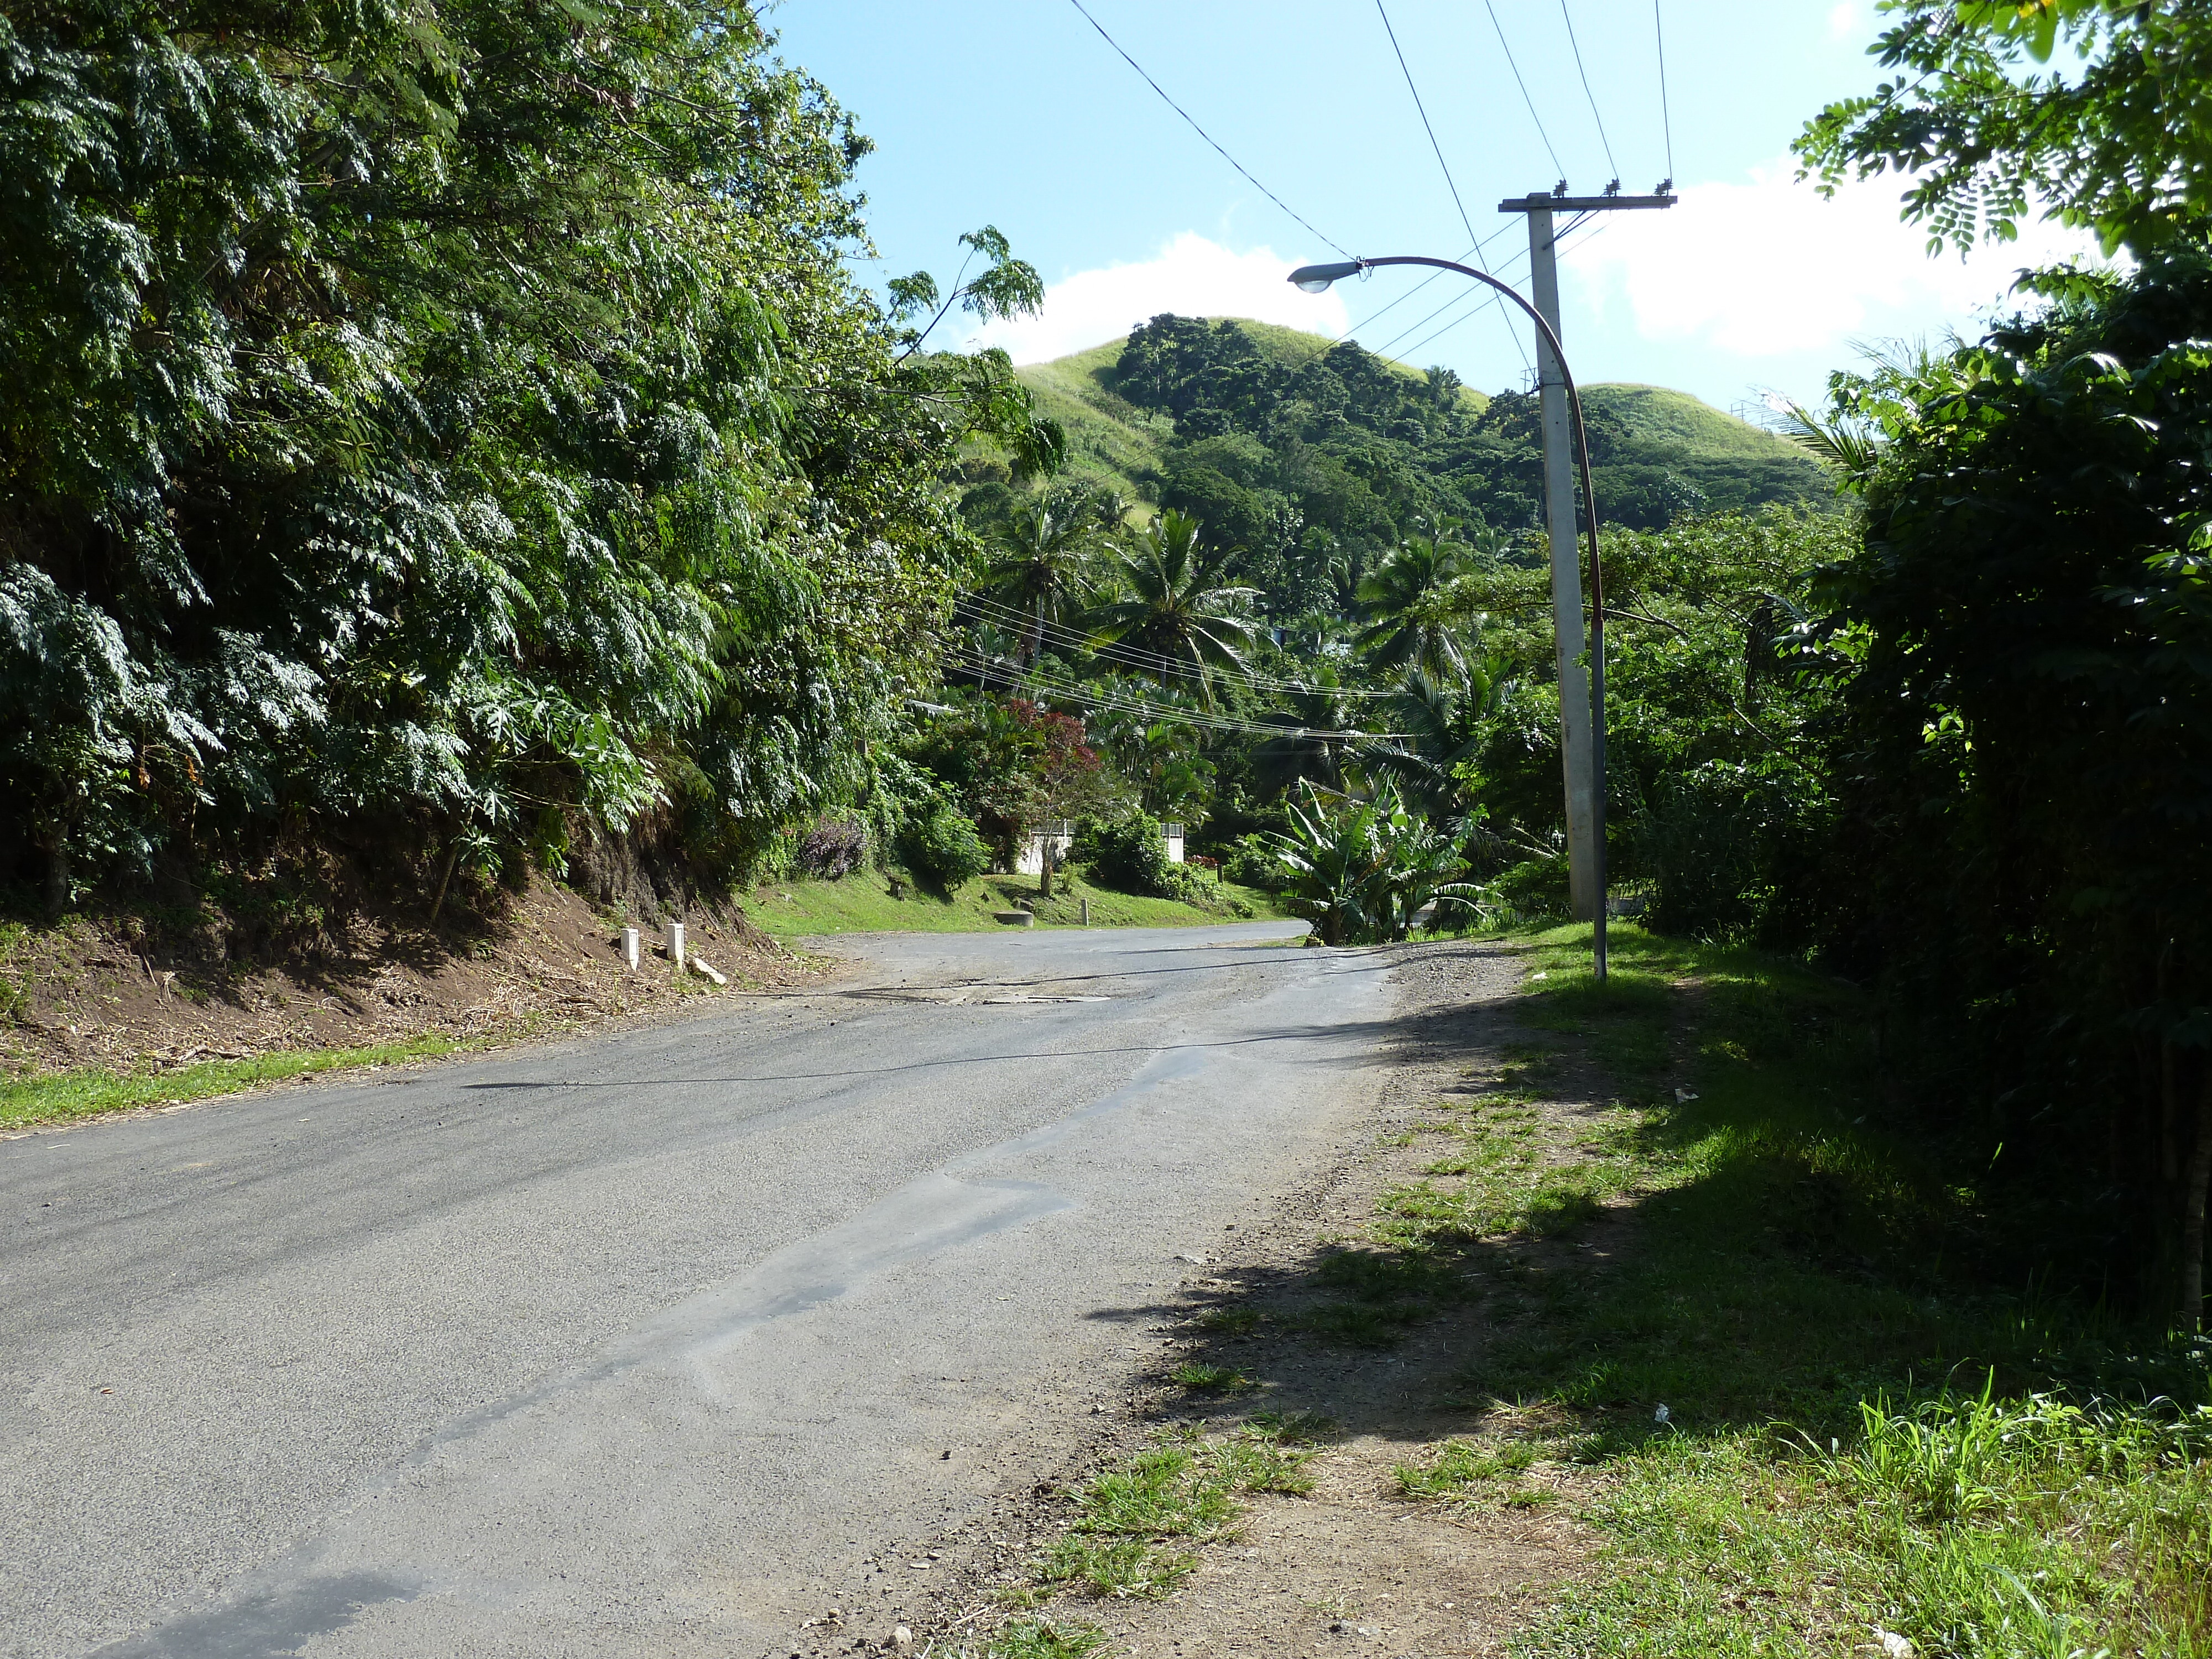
(1015, 112)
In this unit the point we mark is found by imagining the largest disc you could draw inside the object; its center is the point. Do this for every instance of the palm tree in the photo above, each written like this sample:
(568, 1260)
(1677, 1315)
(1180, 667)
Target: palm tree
(1441, 721)
(1157, 597)
(1036, 556)
(1307, 745)
(1406, 605)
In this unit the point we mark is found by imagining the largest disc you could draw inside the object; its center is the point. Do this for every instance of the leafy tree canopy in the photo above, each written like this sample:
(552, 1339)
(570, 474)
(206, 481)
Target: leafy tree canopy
(2096, 111)
(458, 412)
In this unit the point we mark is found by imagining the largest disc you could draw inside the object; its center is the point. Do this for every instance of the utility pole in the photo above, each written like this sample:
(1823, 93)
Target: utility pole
(1581, 728)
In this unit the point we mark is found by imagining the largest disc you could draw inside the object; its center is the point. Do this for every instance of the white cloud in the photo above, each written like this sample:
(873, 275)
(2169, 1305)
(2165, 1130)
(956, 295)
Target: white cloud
(1766, 267)
(1191, 275)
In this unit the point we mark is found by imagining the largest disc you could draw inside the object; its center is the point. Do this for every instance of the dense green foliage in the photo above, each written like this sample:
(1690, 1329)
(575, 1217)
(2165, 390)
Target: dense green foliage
(1362, 870)
(2026, 642)
(1989, 132)
(939, 844)
(2025, 759)
(1127, 849)
(448, 427)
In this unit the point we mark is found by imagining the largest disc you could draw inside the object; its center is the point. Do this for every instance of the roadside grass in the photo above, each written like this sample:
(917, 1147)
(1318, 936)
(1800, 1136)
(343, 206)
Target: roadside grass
(1202, 1378)
(1863, 1445)
(1802, 1412)
(63, 1097)
(863, 903)
(1134, 1525)
(1039, 1638)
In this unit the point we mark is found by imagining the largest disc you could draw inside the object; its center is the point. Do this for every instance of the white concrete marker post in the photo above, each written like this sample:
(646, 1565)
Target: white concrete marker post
(675, 943)
(630, 946)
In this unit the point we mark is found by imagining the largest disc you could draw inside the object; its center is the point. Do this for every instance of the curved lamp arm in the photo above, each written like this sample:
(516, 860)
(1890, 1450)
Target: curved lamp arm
(1313, 279)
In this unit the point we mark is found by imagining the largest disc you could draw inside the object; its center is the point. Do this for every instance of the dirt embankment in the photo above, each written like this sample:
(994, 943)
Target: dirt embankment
(132, 991)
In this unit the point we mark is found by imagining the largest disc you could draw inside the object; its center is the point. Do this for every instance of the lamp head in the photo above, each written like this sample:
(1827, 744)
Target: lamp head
(1314, 279)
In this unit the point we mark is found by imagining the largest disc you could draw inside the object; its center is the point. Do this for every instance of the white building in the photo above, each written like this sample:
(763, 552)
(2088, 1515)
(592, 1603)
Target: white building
(1059, 837)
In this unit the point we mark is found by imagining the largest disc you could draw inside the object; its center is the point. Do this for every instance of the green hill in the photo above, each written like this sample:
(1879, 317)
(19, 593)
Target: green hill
(1117, 442)
(1728, 461)
(1108, 437)
(1305, 457)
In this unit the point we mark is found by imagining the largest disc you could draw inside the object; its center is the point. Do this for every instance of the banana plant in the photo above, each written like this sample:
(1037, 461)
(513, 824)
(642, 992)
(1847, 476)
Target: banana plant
(1361, 870)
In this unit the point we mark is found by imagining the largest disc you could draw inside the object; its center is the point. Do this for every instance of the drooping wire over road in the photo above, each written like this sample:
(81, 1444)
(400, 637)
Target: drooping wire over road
(1192, 122)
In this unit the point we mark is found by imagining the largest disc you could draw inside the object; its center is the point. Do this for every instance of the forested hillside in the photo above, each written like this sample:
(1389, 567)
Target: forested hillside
(1268, 434)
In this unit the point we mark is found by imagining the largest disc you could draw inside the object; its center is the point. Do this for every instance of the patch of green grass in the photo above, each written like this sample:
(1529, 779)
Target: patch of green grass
(1293, 1428)
(1230, 1322)
(2078, 1536)
(1260, 1462)
(1161, 1493)
(1132, 1522)
(61, 1097)
(1461, 1467)
(1365, 1325)
(1378, 1276)
(1042, 1639)
(863, 903)
(1816, 1483)
(1392, 1291)
(1114, 1566)
(1203, 1378)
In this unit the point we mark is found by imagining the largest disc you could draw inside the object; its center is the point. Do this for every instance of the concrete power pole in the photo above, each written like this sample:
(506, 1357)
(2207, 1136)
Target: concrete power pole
(1585, 813)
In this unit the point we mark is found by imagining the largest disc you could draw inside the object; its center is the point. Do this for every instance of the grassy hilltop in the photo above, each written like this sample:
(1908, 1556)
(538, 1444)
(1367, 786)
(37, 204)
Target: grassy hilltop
(1656, 452)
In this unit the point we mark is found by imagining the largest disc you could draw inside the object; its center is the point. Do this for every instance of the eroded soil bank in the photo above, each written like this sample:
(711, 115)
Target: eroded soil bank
(124, 992)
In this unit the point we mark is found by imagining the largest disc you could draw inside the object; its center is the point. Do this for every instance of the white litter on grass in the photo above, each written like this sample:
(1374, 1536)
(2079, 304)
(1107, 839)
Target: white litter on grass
(1893, 1646)
(1684, 1096)
(1660, 1415)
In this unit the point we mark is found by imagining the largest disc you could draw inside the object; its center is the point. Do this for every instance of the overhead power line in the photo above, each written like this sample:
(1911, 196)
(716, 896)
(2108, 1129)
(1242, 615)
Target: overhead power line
(1092, 696)
(1503, 230)
(1422, 110)
(1605, 142)
(1560, 242)
(1523, 85)
(1062, 637)
(1481, 297)
(1200, 131)
(1450, 182)
(1666, 116)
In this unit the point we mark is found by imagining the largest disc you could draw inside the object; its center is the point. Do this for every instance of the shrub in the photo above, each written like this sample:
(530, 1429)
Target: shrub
(940, 845)
(1535, 888)
(1253, 861)
(1360, 871)
(833, 849)
(1128, 852)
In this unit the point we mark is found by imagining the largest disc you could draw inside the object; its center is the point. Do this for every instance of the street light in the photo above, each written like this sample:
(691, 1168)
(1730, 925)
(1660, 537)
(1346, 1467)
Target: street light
(1315, 279)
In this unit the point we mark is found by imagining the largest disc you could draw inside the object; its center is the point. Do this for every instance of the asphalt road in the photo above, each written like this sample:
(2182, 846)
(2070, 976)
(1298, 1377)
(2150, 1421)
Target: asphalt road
(629, 1346)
